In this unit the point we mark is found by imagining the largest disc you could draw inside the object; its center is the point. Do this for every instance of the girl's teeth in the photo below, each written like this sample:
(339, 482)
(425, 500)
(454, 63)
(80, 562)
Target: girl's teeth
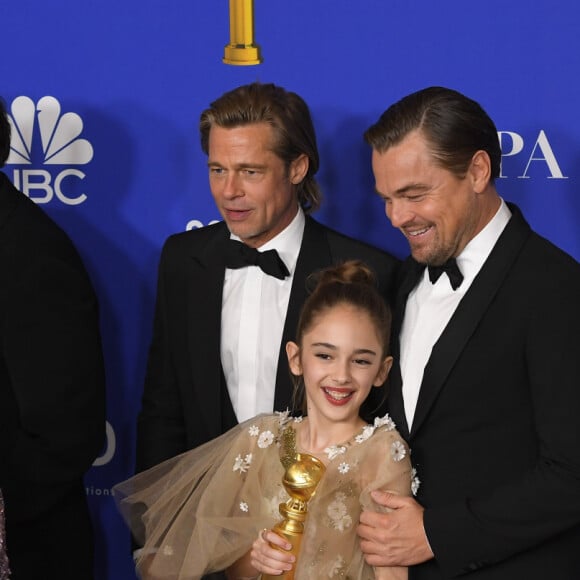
(337, 395)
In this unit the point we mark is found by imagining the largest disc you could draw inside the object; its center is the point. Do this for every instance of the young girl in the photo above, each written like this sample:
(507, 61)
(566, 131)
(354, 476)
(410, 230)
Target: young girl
(202, 511)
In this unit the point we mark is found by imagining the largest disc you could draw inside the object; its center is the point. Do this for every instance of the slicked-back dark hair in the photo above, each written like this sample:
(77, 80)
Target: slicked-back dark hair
(4, 133)
(289, 117)
(454, 126)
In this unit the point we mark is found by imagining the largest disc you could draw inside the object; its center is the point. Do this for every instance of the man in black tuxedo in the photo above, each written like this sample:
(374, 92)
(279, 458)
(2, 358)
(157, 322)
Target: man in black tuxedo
(52, 390)
(217, 355)
(488, 388)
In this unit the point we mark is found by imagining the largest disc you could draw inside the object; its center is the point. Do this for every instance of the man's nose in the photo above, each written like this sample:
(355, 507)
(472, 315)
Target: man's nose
(232, 186)
(398, 212)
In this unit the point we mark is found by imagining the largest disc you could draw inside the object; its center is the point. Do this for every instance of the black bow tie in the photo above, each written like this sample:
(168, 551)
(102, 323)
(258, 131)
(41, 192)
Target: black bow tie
(453, 273)
(238, 255)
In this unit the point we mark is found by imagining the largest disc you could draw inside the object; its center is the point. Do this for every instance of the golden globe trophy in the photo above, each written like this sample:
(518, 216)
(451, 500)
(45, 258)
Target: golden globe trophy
(300, 480)
(241, 50)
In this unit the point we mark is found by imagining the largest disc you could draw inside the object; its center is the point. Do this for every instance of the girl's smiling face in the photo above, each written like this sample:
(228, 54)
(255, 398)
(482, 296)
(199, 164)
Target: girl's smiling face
(341, 359)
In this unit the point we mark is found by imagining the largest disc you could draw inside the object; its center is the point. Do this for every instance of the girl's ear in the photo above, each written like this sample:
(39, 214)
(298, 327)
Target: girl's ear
(293, 354)
(383, 371)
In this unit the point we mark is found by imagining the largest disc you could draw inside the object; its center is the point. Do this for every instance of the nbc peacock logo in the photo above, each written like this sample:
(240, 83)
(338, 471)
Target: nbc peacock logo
(41, 132)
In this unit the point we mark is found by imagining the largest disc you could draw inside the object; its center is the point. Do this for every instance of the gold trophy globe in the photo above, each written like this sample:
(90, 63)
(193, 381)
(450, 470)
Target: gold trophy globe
(300, 481)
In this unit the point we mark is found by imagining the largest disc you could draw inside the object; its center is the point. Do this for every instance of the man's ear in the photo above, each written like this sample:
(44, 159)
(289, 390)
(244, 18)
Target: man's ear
(293, 354)
(298, 169)
(384, 370)
(480, 171)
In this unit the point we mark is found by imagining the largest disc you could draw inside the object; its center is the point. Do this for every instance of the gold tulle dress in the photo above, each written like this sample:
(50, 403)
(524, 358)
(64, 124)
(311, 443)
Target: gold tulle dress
(199, 512)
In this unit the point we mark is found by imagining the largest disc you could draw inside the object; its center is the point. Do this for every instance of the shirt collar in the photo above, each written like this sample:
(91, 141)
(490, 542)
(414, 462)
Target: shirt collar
(479, 248)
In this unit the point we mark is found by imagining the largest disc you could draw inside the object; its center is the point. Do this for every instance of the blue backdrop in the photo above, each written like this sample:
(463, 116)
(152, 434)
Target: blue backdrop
(106, 97)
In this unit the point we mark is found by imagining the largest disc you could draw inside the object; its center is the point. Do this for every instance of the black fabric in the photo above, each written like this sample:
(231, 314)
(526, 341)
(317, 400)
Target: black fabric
(239, 255)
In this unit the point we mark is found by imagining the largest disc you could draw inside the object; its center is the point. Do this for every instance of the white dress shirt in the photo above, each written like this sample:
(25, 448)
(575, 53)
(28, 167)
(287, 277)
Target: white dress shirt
(254, 308)
(431, 306)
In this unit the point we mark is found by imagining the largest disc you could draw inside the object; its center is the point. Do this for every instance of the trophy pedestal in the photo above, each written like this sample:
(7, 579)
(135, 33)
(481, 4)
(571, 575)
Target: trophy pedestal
(242, 54)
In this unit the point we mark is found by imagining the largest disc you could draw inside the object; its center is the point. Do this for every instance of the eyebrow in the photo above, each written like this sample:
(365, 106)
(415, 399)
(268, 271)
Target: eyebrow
(245, 165)
(333, 347)
(405, 189)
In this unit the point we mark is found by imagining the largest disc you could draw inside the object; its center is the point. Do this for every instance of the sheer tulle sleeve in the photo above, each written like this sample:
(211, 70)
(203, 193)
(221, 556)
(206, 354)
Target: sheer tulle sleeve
(201, 511)
(377, 459)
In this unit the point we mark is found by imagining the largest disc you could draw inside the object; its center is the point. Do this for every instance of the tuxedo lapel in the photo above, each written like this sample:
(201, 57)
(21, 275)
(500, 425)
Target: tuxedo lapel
(409, 277)
(314, 255)
(410, 274)
(204, 306)
(468, 314)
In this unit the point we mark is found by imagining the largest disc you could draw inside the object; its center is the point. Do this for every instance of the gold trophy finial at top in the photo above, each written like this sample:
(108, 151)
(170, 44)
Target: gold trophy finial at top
(300, 480)
(241, 50)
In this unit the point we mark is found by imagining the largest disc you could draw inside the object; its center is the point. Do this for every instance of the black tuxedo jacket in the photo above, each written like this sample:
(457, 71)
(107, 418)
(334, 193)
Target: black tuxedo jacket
(52, 392)
(496, 433)
(185, 401)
